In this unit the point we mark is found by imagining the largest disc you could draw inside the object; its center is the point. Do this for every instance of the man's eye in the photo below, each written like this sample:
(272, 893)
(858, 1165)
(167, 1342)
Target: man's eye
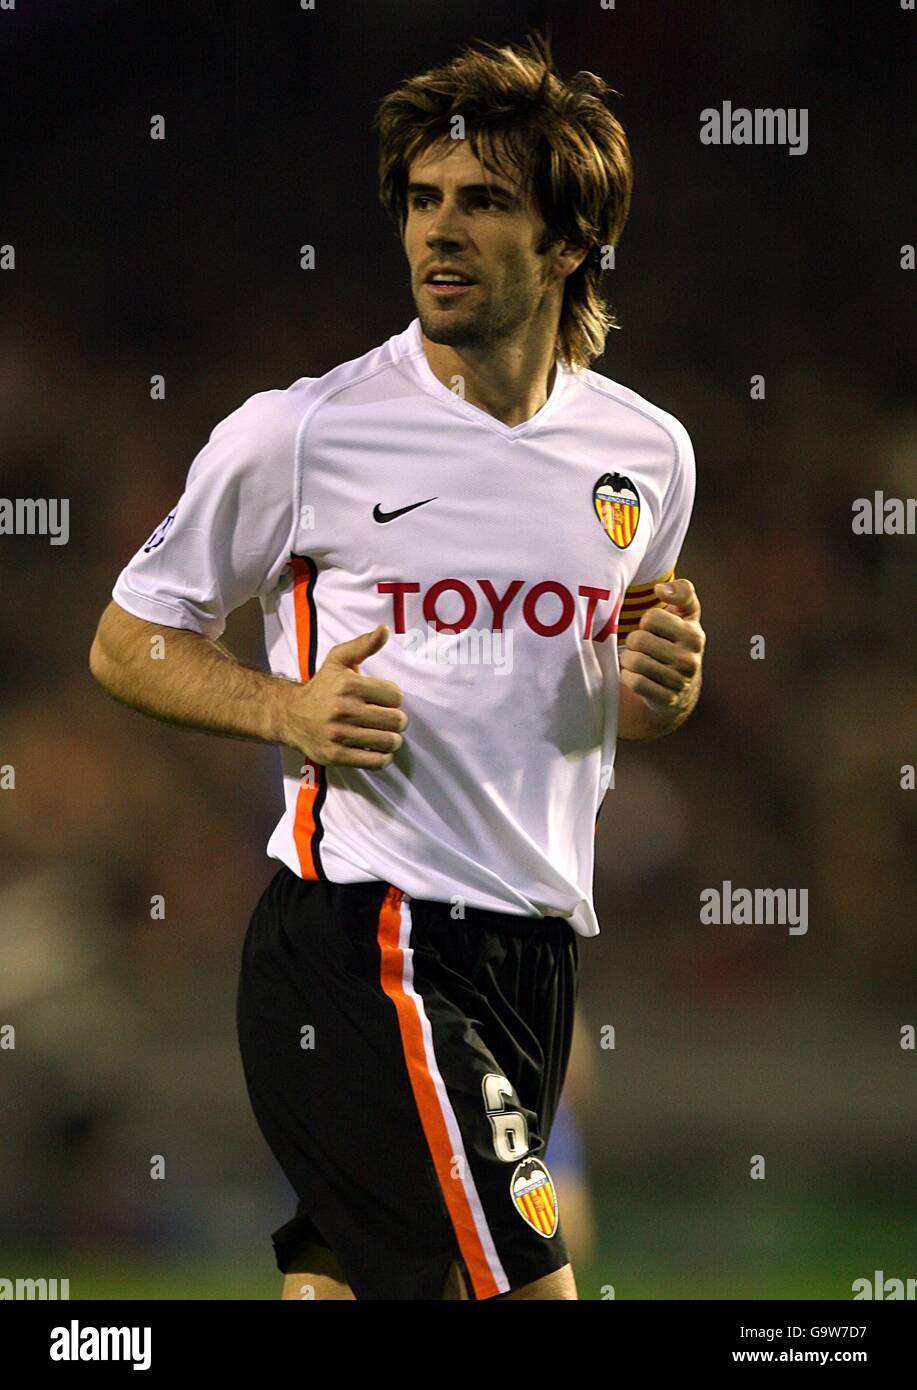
(419, 199)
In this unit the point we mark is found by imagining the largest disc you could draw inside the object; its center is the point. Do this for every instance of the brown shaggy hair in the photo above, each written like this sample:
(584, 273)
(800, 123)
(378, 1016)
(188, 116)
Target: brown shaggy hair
(570, 151)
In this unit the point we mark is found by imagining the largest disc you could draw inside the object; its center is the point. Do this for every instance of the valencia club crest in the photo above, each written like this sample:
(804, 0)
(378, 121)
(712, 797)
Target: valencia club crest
(534, 1196)
(617, 506)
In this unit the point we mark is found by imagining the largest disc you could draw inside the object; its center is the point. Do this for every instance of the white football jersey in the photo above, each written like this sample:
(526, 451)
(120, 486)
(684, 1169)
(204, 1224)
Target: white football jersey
(507, 562)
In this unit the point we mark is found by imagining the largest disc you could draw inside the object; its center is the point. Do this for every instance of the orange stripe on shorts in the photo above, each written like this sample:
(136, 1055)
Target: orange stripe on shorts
(426, 1099)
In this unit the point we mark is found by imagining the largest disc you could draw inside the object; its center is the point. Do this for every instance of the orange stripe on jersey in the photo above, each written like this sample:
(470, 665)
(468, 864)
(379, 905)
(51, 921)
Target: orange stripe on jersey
(637, 601)
(427, 1101)
(305, 823)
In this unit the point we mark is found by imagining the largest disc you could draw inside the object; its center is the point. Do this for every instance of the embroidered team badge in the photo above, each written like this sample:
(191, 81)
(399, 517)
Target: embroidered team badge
(533, 1192)
(617, 506)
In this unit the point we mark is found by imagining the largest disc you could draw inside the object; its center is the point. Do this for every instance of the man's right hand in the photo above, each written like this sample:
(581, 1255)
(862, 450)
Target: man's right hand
(337, 716)
(342, 717)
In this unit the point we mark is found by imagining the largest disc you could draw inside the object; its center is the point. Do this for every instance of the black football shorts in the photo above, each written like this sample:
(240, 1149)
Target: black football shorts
(404, 1066)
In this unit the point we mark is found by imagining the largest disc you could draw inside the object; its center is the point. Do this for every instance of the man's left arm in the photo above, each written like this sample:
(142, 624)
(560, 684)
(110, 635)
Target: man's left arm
(661, 665)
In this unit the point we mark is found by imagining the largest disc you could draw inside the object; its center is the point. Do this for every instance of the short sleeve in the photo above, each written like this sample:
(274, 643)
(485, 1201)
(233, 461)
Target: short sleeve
(228, 536)
(658, 564)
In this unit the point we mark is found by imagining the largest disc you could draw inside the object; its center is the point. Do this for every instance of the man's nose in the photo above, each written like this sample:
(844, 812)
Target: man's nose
(445, 226)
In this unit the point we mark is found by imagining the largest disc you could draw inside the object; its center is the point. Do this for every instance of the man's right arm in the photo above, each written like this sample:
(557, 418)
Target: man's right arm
(183, 677)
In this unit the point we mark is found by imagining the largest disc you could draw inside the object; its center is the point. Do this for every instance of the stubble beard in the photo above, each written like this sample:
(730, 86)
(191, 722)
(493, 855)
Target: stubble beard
(481, 327)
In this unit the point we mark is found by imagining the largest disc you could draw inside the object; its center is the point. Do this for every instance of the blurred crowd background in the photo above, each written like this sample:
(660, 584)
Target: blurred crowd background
(136, 257)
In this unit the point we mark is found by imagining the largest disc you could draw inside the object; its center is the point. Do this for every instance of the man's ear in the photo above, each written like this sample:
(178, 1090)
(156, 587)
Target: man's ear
(567, 258)
(573, 256)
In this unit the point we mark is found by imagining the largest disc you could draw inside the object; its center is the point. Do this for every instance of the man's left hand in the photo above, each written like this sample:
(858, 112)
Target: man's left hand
(661, 659)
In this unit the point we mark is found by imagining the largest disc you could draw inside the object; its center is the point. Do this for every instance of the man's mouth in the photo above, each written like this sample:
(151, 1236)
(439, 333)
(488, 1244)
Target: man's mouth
(446, 284)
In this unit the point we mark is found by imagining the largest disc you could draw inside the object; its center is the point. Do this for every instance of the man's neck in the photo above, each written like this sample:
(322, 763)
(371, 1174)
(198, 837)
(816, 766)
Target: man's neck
(511, 384)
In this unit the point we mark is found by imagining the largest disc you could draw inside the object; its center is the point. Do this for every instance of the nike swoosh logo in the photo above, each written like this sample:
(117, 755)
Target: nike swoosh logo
(380, 515)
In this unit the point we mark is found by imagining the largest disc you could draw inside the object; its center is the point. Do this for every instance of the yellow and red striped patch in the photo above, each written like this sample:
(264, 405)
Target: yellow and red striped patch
(534, 1196)
(637, 601)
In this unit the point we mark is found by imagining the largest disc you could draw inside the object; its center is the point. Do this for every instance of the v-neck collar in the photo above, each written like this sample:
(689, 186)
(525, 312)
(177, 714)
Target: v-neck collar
(431, 382)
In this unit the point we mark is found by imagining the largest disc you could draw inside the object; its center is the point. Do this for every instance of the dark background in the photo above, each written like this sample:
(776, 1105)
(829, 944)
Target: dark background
(181, 257)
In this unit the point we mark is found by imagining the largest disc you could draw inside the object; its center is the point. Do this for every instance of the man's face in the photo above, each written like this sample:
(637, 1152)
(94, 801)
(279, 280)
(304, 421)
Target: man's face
(476, 223)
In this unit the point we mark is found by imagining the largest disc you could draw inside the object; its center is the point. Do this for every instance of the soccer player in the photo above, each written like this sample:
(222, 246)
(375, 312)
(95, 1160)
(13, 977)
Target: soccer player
(464, 545)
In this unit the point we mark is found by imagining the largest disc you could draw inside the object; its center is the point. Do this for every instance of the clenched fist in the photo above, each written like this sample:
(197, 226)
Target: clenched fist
(661, 664)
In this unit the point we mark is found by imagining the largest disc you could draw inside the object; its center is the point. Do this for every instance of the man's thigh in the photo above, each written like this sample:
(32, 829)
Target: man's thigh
(559, 1284)
(324, 1279)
